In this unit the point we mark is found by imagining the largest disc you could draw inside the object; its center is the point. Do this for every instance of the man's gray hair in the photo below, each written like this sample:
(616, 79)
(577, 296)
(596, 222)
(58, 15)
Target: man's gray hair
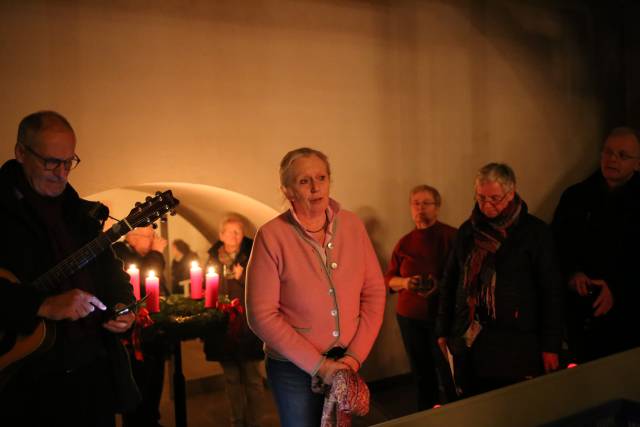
(625, 131)
(497, 172)
(37, 122)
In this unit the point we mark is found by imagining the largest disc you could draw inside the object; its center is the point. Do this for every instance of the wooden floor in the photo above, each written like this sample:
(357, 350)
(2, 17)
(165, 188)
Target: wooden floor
(207, 403)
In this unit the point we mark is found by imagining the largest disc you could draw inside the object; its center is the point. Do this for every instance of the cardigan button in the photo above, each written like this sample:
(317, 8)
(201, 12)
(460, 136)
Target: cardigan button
(330, 245)
(334, 312)
(336, 334)
(334, 265)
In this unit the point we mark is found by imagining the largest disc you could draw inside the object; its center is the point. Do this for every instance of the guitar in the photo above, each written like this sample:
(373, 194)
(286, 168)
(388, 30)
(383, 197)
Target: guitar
(16, 348)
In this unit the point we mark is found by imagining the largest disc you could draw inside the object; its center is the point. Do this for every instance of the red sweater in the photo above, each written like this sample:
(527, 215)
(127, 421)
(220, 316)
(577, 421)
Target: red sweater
(420, 252)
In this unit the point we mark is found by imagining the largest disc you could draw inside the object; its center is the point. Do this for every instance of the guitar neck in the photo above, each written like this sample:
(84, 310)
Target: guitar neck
(51, 280)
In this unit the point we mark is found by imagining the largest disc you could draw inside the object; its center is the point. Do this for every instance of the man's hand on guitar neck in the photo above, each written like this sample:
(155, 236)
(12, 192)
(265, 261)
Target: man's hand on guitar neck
(72, 305)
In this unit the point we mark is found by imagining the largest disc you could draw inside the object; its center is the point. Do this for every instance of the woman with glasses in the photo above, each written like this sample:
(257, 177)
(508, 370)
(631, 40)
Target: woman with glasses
(416, 266)
(501, 299)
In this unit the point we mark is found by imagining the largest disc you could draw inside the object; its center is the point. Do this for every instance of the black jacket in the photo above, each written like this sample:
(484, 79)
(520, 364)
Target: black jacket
(28, 253)
(529, 295)
(598, 233)
(238, 343)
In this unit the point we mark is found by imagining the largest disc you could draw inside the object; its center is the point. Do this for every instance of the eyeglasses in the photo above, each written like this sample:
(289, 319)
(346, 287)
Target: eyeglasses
(619, 154)
(493, 200)
(51, 163)
(418, 204)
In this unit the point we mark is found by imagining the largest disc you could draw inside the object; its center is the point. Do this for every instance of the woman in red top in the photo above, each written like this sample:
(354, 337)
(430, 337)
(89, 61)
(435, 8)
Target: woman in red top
(416, 265)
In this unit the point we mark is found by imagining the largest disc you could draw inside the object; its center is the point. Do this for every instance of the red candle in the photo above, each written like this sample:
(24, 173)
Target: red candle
(211, 289)
(196, 281)
(152, 287)
(134, 279)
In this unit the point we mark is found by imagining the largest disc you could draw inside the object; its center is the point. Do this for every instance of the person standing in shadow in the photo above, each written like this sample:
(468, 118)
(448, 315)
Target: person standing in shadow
(239, 351)
(144, 249)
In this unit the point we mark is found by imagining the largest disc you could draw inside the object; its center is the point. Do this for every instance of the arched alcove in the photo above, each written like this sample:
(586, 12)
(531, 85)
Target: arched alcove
(200, 210)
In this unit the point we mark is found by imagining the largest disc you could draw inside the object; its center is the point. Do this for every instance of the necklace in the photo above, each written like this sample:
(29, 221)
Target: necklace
(319, 229)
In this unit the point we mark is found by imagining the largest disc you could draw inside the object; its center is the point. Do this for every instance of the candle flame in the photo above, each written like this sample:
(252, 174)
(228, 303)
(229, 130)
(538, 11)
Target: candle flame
(152, 274)
(211, 271)
(194, 264)
(132, 267)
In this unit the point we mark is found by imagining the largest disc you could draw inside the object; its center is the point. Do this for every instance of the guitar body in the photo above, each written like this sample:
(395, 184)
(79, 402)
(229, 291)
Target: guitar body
(15, 348)
(18, 348)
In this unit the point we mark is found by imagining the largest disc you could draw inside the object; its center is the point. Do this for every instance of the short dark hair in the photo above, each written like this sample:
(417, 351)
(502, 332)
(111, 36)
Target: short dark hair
(37, 122)
(624, 131)
(182, 246)
(423, 187)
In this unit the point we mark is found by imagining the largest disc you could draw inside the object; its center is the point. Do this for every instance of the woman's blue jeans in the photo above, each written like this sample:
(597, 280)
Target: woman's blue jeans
(297, 405)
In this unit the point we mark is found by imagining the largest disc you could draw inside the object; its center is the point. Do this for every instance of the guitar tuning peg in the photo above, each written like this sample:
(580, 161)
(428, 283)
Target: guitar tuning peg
(172, 212)
(137, 204)
(154, 226)
(148, 198)
(163, 218)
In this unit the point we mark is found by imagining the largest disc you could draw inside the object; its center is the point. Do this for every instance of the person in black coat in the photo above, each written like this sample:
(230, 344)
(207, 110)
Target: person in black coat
(42, 222)
(597, 227)
(144, 249)
(501, 298)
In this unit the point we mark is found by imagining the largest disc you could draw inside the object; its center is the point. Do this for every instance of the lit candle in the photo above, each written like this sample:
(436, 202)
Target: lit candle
(211, 288)
(152, 288)
(196, 281)
(134, 279)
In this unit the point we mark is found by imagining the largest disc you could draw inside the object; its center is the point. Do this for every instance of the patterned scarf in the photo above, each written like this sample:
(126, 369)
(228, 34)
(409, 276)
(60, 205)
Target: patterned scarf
(349, 395)
(480, 265)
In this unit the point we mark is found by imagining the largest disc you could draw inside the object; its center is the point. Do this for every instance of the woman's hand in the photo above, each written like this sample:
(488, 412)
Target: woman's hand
(328, 370)
(237, 271)
(399, 283)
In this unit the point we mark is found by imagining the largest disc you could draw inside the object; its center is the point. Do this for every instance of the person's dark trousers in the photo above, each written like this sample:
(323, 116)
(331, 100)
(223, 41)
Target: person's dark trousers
(297, 405)
(429, 368)
(149, 375)
(81, 397)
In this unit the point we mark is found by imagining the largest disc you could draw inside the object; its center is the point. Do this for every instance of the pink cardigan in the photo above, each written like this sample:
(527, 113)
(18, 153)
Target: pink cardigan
(300, 305)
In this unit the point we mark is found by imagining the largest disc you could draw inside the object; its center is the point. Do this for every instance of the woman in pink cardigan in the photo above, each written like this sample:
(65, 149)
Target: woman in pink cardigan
(315, 293)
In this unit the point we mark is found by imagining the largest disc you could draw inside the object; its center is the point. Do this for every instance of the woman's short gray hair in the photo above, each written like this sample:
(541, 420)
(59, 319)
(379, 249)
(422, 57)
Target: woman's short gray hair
(227, 219)
(292, 156)
(497, 172)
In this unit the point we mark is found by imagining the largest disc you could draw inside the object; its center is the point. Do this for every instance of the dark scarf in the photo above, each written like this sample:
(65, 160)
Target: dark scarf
(480, 265)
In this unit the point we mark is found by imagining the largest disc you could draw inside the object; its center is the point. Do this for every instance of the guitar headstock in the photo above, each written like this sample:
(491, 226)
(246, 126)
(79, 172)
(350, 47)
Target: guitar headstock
(152, 209)
(145, 213)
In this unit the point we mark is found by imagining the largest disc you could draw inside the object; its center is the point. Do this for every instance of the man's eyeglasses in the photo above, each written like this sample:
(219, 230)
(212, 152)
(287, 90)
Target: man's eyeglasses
(619, 154)
(493, 200)
(51, 163)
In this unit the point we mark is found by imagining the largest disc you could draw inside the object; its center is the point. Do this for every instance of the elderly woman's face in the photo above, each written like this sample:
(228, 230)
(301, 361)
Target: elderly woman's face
(424, 209)
(231, 234)
(308, 190)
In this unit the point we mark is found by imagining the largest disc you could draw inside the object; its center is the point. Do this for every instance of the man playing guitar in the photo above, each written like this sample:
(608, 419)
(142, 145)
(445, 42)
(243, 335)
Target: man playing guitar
(43, 221)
